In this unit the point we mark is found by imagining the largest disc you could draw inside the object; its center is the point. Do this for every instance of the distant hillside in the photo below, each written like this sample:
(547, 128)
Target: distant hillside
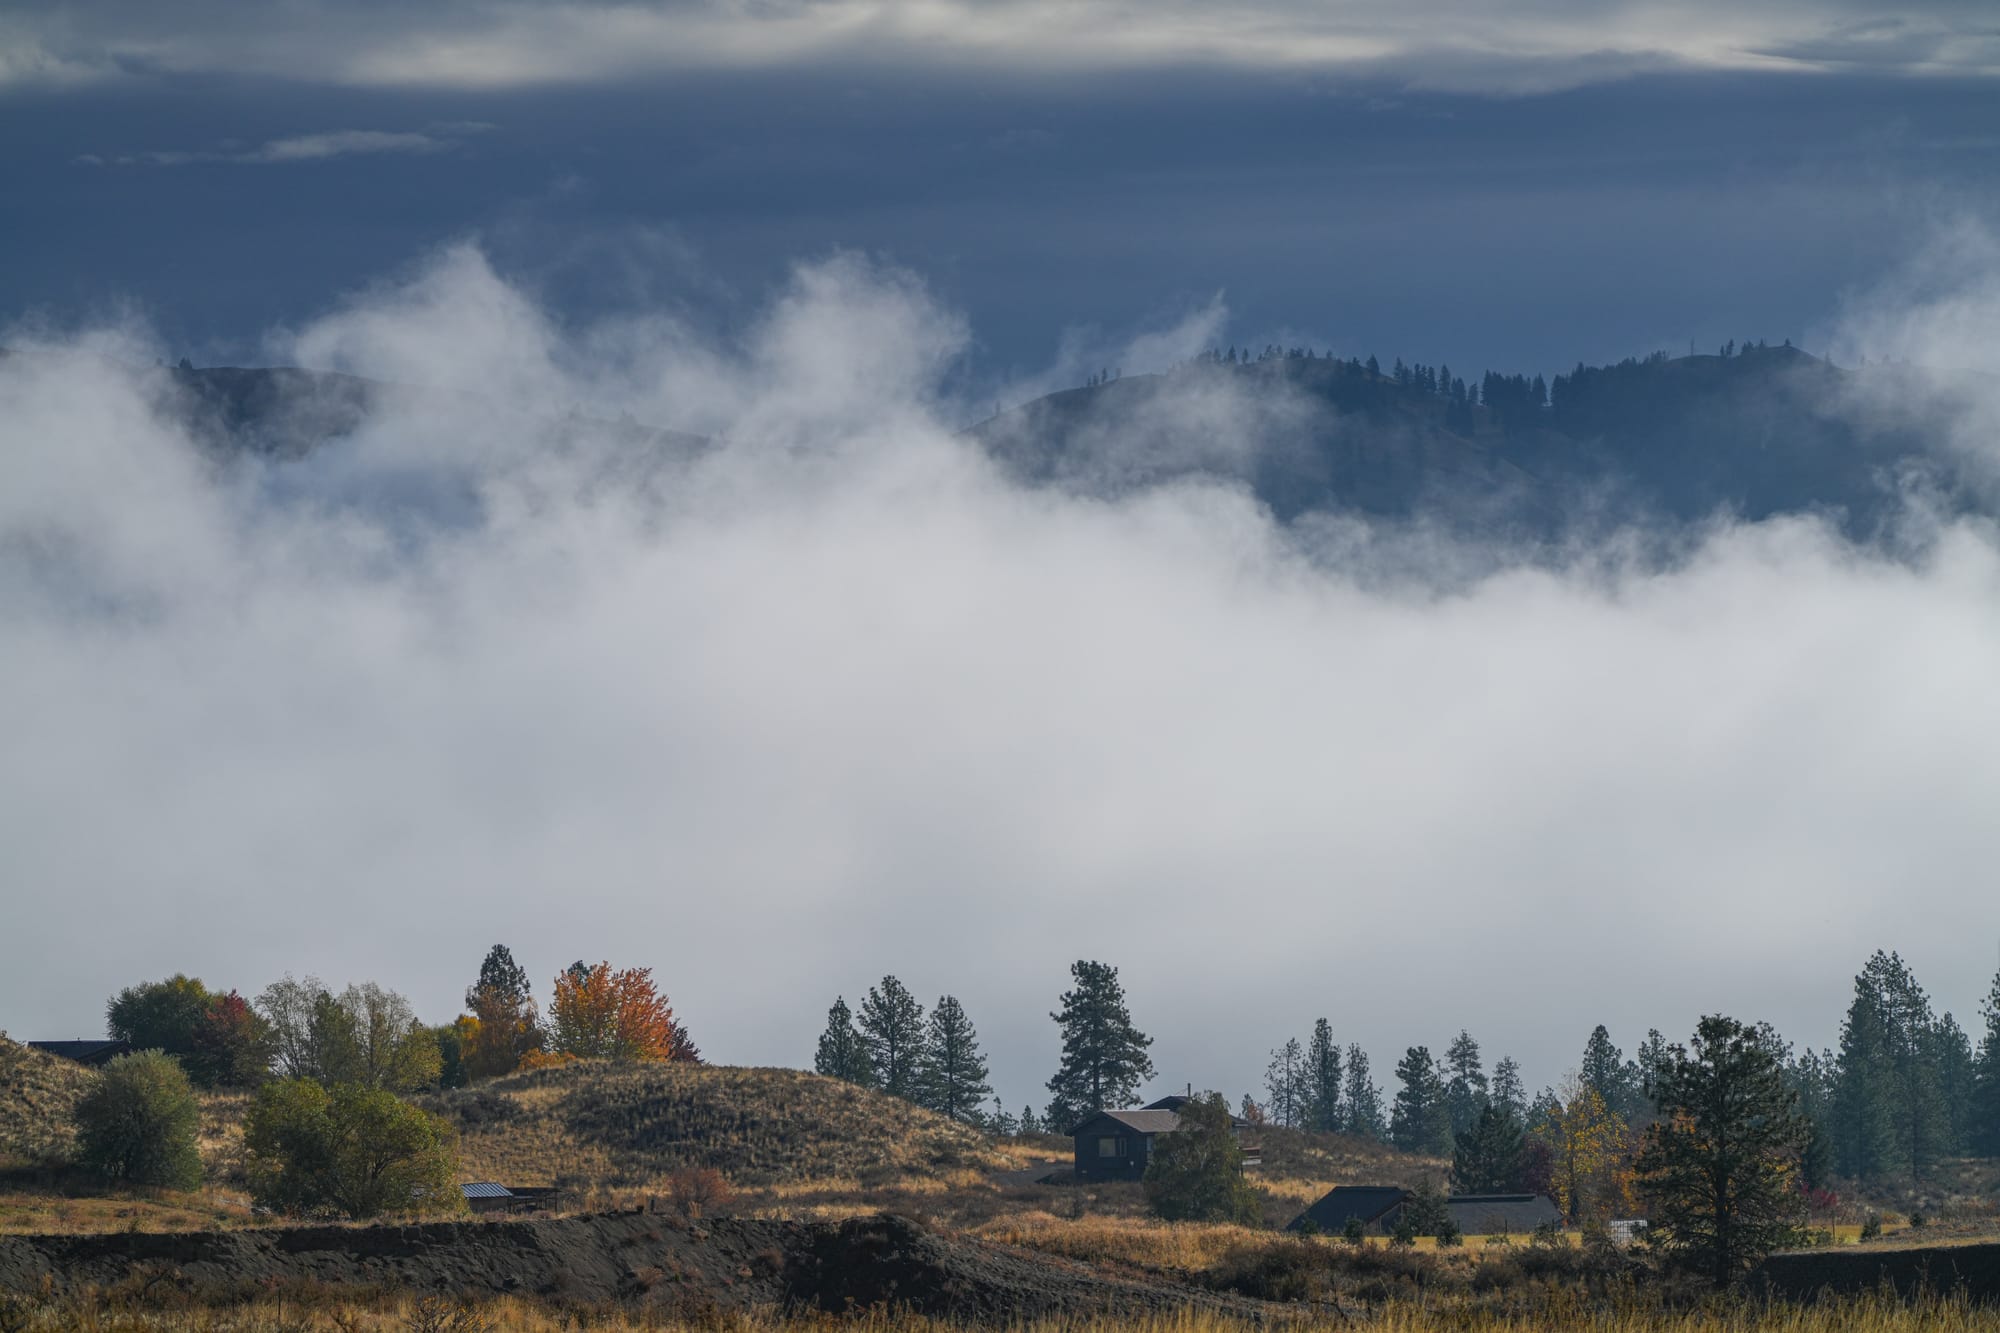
(1760, 432)
(626, 1126)
(1765, 431)
(38, 1092)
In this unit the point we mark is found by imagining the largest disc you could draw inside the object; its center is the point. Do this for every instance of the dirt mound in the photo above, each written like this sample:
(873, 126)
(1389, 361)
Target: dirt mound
(639, 1259)
(629, 1125)
(1942, 1269)
(38, 1093)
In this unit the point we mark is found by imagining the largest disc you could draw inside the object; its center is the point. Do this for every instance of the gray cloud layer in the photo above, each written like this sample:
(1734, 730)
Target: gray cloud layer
(1520, 47)
(834, 699)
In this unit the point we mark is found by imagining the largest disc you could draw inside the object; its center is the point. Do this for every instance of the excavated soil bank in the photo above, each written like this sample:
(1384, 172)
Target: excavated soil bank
(629, 1258)
(1942, 1269)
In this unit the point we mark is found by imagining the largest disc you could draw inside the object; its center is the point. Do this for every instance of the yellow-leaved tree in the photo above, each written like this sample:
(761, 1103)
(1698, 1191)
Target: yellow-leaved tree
(1590, 1147)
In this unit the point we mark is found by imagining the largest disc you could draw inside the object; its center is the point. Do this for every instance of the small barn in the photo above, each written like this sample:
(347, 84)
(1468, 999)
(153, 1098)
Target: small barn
(1380, 1207)
(1117, 1145)
(1502, 1214)
(93, 1053)
(1369, 1205)
(486, 1196)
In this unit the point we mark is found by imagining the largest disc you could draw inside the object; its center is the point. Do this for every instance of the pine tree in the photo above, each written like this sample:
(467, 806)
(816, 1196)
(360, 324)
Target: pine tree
(1028, 1122)
(1361, 1098)
(1000, 1122)
(1486, 1156)
(1104, 1056)
(1951, 1057)
(1719, 1166)
(1604, 1069)
(842, 1052)
(1324, 1110)
(951, 1075)
(1465, 1090)
(1418, 1120)
(892, 1025)
(1986, 1079)
(1890, 1112)
(1509, 1093)
(1284, 1084)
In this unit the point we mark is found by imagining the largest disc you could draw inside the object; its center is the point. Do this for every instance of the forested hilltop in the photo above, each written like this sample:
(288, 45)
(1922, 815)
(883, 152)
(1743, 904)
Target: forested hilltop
(1750, 432)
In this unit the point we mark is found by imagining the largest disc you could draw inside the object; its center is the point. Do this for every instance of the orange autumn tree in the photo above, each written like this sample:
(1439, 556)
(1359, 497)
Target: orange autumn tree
(597, 1013)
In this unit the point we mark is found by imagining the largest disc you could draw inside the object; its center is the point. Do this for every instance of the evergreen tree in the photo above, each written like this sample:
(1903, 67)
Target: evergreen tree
(1028, 1122)
(1811, 1077)
(1486, 1158)
(1465, 1090)
(843, 1053)
(1360, 1097)
(892, 1026)
(500, 975)
(1951, 1057)
(509, 1021)
(1000, 1122)
(1891, 1113)
(1419, 1121)
(952, 1073)
(1284, 1084)
(1104, 1056)
(1324, 1110)
(1604, 1069)
(1985, 1127)
(1718, 1167)
(1509, 1093)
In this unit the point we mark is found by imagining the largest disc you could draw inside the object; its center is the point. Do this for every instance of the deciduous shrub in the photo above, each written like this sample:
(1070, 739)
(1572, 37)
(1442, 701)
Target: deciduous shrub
(139, 1124)
(349, 1149)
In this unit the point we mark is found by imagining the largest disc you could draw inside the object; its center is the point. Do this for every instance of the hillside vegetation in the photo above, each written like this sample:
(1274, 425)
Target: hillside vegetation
(627, 1126)
(38, 1093)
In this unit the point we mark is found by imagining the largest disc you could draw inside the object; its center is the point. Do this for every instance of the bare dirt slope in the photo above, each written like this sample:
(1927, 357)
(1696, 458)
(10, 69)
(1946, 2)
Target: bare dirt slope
(639, 1259)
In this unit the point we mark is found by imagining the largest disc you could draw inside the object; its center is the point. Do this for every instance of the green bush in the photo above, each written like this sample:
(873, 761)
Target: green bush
(1196, 1172)
(348, 1149)
(139, 1124)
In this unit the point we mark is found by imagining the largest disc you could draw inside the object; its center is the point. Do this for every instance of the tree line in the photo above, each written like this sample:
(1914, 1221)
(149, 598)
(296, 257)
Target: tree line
(889, 1046)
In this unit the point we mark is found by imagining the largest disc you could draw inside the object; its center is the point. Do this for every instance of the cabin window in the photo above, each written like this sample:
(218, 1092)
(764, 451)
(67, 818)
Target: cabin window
(1110, 1147)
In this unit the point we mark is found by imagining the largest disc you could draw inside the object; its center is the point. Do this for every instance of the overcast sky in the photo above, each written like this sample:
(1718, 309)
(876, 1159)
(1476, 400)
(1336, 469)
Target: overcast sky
(844, 702)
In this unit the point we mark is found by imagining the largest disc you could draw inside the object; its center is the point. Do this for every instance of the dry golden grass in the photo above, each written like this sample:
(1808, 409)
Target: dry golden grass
(38, 1094)
(628, 1126)
(1163, 1246)
(50, 1210)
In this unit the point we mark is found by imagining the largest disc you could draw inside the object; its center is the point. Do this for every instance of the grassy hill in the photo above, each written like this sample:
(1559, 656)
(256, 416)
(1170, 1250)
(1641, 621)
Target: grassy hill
(38, 1092)
(627, 1126)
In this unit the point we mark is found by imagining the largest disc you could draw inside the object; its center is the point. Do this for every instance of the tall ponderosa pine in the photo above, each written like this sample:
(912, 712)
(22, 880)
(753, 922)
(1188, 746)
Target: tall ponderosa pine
(1720, 1166)
(509, 1025)
(1418, 1120)
(1985, 1133)
(1605, 1069)
(1465, 1090)
(842, 1051)
(1951, 1057)
(892, 1025)
(1325, 1112)
(1284, 1085)
(1891, 1114)
(1104, 1056)
(1360, 1098)
(1486, 1158)
(1509, 1092)
(951, 1077)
